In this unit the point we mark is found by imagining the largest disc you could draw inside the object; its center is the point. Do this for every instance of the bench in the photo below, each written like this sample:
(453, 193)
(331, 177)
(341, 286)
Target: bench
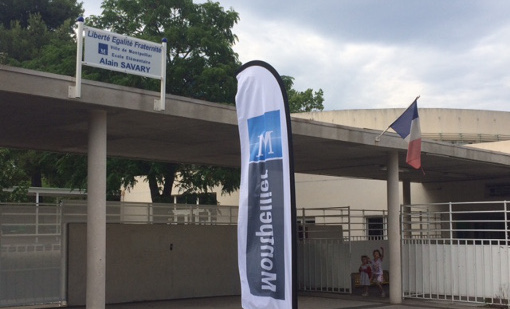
(355, 277)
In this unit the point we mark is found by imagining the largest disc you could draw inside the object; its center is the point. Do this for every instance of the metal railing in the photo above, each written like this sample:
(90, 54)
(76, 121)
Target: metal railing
(466, 138)
(457, 252)
(450, 251)
(151, 213)
(331, 241)
(31, 256)
(32, 245)
(343, 222)
(34, 221)
(32, 253)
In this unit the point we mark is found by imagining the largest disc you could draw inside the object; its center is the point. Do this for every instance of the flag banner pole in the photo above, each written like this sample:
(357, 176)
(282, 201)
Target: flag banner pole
(378, 137)
(75, 91)
(267, 253)
(160, 104)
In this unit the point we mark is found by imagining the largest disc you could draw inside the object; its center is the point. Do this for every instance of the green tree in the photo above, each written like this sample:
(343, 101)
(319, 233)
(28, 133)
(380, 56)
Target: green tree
(201, 64)
(10, 174)
(38, 34)
(29, 168)
(201, 61)
(35, 34)
(302, 101)
(52, 12)
(58, 55)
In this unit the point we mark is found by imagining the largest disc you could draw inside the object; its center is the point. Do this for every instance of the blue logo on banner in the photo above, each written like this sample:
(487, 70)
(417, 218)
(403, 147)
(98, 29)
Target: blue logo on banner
(265, 137)
(265, 245)
(102, 49)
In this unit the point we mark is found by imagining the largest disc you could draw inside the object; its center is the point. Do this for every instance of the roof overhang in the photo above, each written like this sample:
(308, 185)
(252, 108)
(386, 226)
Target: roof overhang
(37, 113)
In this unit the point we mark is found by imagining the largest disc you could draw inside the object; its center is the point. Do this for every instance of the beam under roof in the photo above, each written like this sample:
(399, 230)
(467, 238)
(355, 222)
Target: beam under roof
(36, 113)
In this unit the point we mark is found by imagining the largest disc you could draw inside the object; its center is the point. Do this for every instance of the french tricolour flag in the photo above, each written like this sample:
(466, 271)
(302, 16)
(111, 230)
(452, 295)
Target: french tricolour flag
(408, 127)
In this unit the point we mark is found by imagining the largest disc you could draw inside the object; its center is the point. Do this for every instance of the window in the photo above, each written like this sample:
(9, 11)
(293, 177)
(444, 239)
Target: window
(375, 228)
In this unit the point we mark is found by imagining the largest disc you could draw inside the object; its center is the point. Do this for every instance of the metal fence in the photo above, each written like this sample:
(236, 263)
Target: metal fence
(353, 224)
(456, 252)
(331, 240)
(31, 259)
(33, 265)
(32, 245)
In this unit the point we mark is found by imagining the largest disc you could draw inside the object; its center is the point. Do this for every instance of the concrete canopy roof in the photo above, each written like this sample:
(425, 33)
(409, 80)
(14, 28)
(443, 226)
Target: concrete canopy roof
(36, 113)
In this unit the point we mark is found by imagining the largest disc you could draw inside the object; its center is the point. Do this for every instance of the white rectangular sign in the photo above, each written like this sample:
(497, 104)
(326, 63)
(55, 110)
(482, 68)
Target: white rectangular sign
(112, 51)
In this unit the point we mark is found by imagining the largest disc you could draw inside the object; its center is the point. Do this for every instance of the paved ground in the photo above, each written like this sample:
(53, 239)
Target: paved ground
(305, 301)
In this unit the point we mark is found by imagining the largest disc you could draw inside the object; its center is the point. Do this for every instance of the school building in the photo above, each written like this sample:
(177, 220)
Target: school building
(350, 189)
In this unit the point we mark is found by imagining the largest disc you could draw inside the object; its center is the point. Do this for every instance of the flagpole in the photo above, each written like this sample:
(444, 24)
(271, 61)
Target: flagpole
(378, 137)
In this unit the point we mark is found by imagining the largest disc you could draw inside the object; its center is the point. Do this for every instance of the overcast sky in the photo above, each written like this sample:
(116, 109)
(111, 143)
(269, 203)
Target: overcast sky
(381, 54)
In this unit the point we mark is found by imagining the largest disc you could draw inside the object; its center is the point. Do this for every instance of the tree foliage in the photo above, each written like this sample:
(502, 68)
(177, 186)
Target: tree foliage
(38, 34)
(54, 13)
(10, 174)
(202, 180)
(201, 61)
(302, 101)
(201, 64)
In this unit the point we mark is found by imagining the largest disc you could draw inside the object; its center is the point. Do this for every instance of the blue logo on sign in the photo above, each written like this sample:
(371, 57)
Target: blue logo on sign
(265, 137)
(103, 49)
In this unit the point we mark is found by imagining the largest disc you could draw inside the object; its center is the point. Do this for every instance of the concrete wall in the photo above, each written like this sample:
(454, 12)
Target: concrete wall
(316, 191)
(432, 120)
(503, 146)
(157, 262)
(462, 191)
(312, 191)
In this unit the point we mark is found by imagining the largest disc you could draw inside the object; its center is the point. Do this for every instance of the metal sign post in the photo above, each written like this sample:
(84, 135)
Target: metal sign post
(75, 91)
(159, 105)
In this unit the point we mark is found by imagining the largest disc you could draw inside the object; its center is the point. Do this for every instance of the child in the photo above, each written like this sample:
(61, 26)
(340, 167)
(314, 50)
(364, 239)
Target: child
(365, 273)
(377, 271)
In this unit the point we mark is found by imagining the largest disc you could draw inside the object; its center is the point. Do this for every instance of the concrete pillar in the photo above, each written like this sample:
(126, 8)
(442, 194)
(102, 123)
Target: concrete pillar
(394, 229)
(96, 212)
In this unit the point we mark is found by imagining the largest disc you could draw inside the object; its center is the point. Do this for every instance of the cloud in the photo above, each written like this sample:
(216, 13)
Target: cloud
(92, 7)
(343, 69)
(378, 54)
(389, 22)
